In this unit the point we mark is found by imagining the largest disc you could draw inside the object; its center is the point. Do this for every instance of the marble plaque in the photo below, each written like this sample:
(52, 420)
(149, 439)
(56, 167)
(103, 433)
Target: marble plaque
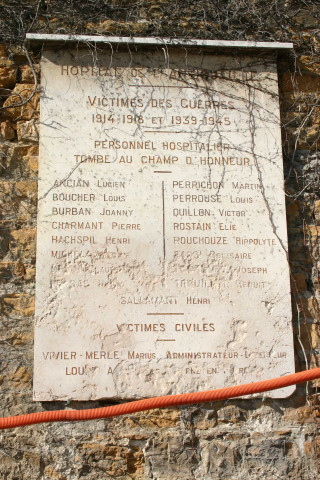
(162, 260)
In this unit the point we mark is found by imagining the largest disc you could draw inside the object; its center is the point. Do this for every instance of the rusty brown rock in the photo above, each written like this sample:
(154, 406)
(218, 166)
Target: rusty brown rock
(310, 306)
(299, 281)
(11, 270)
(6, 130)
(23, 244)
(28, 131)
(20, 339)
(8, 75)
(19, 304)
(30, 273)
(33, 163)
(20, 377)
(3, 50)
(26, 189)
(306, 83)
(51, 473)
(306, 19)
(25, 150)
(27, 75)
(305, 414)
(26, 101)
(316, 209)
(18, 201)
(230, 414)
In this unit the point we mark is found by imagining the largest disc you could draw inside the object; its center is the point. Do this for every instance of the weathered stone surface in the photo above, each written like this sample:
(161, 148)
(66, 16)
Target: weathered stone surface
(27, 75)
(299, 281)
(19, 304)
(10, 271)
(201, 234)
(20, 94)
(317, 211)
(20, 377)
(3, 50)
(32, 164)
(20, 150)
(19, 201)
(307, 167)
(23, 243)
(6, 130)
(19, 162)
(8, 75)
(310, 64)
(28, 131)
(305, 19)
(307, 83)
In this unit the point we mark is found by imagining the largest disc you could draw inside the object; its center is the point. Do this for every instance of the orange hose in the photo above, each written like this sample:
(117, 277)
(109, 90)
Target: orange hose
(159, 402)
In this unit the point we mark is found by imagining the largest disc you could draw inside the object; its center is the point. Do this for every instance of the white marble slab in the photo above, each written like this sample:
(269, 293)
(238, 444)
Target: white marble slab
(162, 247)
(189, 42)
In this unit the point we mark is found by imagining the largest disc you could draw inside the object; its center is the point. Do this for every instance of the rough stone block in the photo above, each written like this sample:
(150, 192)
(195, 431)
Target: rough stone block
(306, 166)
(309, 64)
(301, 415)
(20, 377)
(20, 151)
(3, 50)
(28, 131)
(299, 281)
(23, 243)
(26, 188)
(310, 306)
(8, 76)
(27, 75)
(6, 130)
(306, 19)
(307, 83)
(310, 335)
(20, 304)
(316, 209)
(33, 163)
(11, 270)
(23, 92)
(20, 338)
(230, 414)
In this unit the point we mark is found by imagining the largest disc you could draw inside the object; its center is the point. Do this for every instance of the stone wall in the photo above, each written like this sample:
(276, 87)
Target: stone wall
(232, 440)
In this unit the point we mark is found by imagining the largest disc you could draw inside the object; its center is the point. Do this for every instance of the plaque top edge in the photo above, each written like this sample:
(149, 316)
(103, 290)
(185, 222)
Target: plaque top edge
(178, 42)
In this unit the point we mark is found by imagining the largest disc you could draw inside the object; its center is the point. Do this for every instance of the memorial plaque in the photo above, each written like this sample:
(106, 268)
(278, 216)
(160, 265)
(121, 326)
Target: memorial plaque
(162, 248)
